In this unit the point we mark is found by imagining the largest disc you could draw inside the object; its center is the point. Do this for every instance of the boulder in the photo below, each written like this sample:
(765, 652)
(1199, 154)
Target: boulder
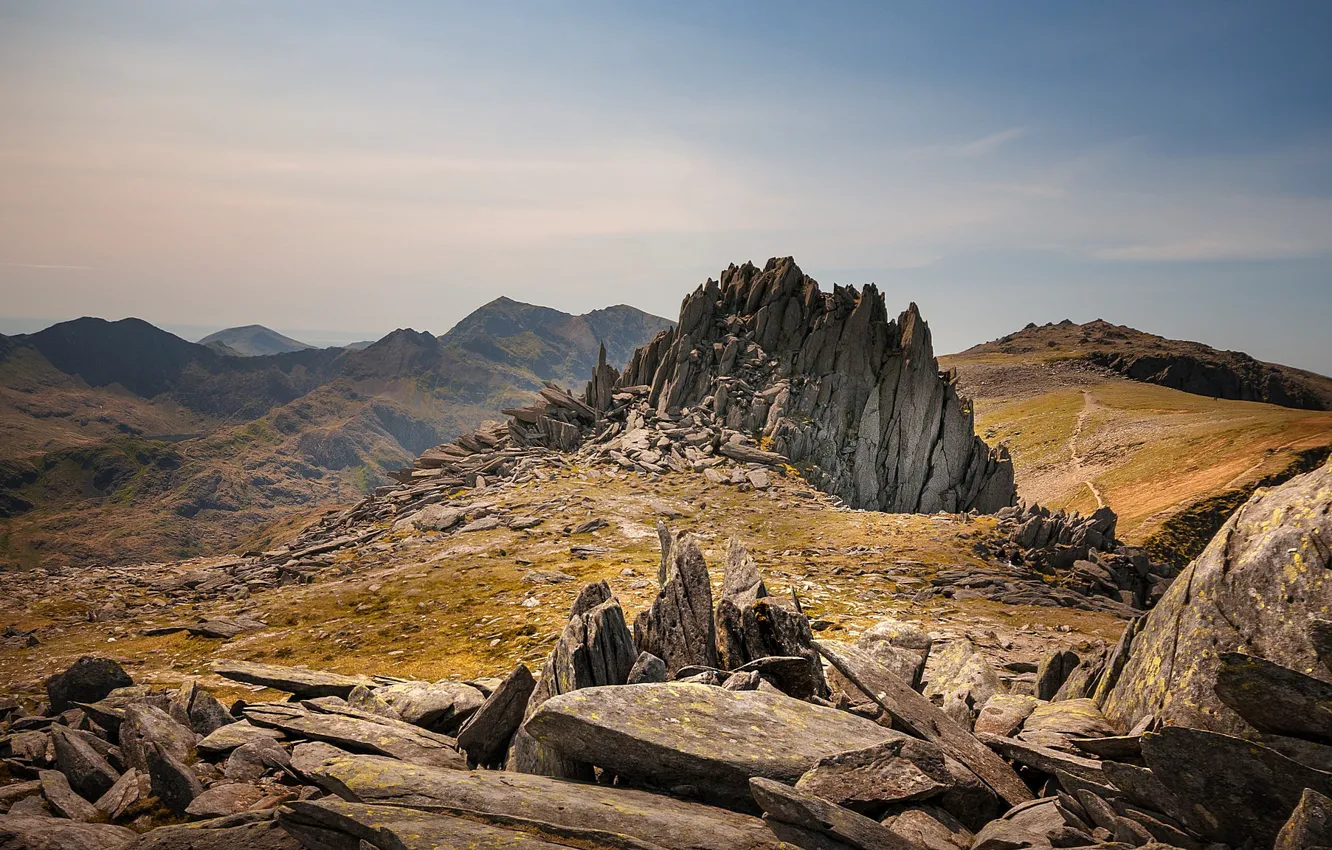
(1309, 826)
(145, 725)
(961, 680)
(485, 736)
(233, 735)
(1037, 824)
(199, 710)
(914, 712)
(1056, 724)
(172, 782)
(708, 738)
(870, 780)
(1004, 714)
(678, 627)
(39, 833)
(338, 824)
(595, 649)
(440, 707)
(249, 762)
(902, 648)
(216, 834)
(663, 821)
(227, 799)
(647, 669)
(125, 793)
(930, 827)
(783, 804)
(306, 684)
(63, 799)
(88, 772)
(1275, 699)
(364, 699)
(1257, 588)
(1239, 789)
(1053, 671)
(87, 680)
(367, 734)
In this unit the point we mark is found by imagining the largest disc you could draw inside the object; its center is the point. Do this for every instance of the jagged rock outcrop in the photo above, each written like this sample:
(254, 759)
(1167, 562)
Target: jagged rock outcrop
(1258, 588)
(852, 398)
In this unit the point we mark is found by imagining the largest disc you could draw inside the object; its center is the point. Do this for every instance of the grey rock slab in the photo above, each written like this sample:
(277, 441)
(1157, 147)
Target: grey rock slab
(1239, 788)
(339, 824)
(647, 669)
(930, 827)
(121, 796)
(1053, 670)
(705, 737)
(198, 709)
(1309, 826)
(595, 649)
(440, 707)
(783, 803)
(227, 799)
(362, 698)
(12, 792)
(1257, 588)
(88, 772)
(38, 833)
(924, 719)
(233, 735)
(63, 799)
(869, 780)
(306, 684)
(171, 781)
(1038, 824)
(87, 680)
(213, 835)
(1055, 724)
(538, 799)
(1004, 714)
(1045, 758)
(250, 761)
(486, 735)
(678, 627)
(145, 725)
(362, 735)
(960, 678)
(1276, 699)
(902, 648)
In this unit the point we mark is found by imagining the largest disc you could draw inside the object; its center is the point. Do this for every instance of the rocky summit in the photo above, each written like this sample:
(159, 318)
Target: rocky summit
(673, 611)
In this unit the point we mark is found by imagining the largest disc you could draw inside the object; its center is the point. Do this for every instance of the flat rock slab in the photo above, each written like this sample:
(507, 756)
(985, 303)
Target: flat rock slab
(868, 780)
(1275, 699)
(712, 739)
(540, 799)
(787, 805)
(306, 684)
(1245, 790)
(260, 835)
(399, 740)
(1004, 714)
(222, 800)
(38, 833)
(333, 823)
(233, 735)
(1054, 724)
(1046, 759)
(63, 799)
(924, 718)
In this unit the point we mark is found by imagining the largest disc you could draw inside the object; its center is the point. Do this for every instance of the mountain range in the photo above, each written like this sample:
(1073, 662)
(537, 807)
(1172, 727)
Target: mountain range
(123, 442)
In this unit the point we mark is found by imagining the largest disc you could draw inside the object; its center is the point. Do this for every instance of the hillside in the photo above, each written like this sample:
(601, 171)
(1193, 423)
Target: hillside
(252, 341)
(124, 443)
(1171, 463)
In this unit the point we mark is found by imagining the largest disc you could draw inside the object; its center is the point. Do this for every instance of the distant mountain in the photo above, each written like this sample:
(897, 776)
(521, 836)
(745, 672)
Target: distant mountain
(358, 346)
(253, 341)
(121, 442)
(1171, 434)
(1178, 364)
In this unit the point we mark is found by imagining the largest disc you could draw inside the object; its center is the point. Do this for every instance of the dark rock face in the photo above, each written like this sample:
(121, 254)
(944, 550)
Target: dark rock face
(594, 650)
(485, 736)
(1257, 589)
(88, 680)
(679, 628)
(852, 398)
(1219, 374)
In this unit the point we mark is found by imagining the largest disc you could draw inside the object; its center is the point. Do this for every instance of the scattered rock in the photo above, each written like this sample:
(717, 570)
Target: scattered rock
(486, 735)
(305, 684)
(88, 772)
(869, 780)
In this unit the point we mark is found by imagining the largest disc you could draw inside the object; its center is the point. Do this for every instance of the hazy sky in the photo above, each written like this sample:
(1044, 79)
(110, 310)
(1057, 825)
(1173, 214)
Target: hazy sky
(356, 167)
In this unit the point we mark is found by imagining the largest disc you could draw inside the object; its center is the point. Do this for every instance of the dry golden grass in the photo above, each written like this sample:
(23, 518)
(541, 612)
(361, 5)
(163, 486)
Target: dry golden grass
(432, 606)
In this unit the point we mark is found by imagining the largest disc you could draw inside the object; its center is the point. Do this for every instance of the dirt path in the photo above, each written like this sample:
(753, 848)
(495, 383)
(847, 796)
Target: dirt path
(1087, 405)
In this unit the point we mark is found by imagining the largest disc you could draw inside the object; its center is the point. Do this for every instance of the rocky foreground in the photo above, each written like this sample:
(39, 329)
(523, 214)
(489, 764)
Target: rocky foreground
(720, 721)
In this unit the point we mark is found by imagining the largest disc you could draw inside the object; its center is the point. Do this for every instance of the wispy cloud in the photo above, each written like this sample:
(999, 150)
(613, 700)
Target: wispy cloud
(986, 144)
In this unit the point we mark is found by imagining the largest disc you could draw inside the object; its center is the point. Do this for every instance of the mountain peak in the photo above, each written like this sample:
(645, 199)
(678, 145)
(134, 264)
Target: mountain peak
(253, 341)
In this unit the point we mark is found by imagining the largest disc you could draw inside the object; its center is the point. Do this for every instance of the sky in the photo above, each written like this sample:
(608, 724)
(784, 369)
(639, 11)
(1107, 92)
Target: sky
(341, 169)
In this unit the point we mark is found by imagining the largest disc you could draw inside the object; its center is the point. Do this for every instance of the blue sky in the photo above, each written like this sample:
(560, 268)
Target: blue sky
(349, 168)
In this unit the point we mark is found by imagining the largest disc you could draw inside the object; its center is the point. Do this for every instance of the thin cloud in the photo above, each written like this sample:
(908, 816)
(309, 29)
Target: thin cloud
(47, 266)
(988, 144)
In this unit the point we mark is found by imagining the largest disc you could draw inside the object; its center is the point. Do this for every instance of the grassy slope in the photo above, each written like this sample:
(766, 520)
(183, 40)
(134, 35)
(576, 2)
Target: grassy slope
(431, 606)
(1150, 451)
